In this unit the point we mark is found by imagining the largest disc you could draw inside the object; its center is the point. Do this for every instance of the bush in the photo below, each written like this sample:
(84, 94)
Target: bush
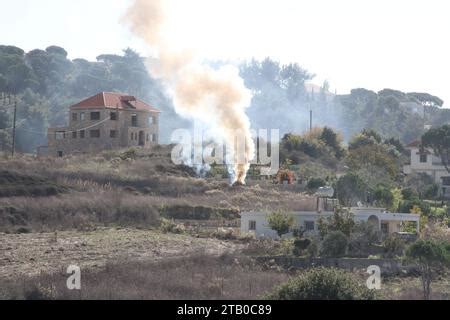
(393, 246)
(334, 245)
(167, 226)
(430, 256)
(406, 206)
(341, 220)
(431, 191)
(225, 234)
(313, 249)
(300, 245)
(383, 196)
(323, 284)
(409, 194)
(280, 222)
(351, 188)
(362, 238)
(315, 183)
(128, 154)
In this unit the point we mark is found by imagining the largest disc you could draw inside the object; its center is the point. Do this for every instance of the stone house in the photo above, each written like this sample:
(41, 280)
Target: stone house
(105, 121)
(423, 160)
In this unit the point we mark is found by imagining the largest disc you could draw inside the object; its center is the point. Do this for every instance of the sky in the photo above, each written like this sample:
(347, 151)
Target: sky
(401, 44)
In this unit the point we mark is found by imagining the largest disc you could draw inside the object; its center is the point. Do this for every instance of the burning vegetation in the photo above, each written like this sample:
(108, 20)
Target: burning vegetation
(216, 97)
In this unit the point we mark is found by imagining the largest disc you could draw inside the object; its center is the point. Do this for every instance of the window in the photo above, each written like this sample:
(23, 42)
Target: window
(95, 115)
(113, 115)
(81, 134)
(60, 154)
(94, 133)
(74, 134)
(74, 117)
(59, 135)
(446, 181)
(150, 120)
(135, 136)
(385, 227)
(113, 134)
(134, 120)
(148, 137)
(153, 137)
(309, 225)
(252, 225)
(423, 158)
(82, 116)
(132, 136)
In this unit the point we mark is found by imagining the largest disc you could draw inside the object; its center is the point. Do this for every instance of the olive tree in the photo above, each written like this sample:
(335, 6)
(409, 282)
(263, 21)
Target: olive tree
(281, 222)
(438, 139)
(430, 256)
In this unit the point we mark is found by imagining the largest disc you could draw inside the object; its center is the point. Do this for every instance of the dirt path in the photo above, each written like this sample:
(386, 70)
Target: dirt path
(31, 254)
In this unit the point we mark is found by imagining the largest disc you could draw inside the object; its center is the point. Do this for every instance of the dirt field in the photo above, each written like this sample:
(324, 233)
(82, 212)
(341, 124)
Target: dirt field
(31, 254)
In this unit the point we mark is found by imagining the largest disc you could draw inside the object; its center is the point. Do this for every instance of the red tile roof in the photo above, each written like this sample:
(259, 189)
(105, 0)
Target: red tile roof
(414, 144)
(113, 100)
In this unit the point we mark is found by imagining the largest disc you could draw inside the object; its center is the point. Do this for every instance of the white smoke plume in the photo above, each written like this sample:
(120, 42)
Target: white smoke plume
(216, 97)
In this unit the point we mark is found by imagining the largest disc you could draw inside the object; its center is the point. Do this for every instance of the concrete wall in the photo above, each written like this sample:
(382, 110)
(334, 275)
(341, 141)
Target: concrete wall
(387, 266)
(123, 127)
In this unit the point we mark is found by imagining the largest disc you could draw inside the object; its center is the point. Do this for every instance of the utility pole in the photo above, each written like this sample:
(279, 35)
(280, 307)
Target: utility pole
(310, 109)
(14, 128)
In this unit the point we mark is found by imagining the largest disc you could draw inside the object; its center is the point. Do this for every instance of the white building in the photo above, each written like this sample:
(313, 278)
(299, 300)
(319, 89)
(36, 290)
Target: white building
(424, 161)
(386, 222)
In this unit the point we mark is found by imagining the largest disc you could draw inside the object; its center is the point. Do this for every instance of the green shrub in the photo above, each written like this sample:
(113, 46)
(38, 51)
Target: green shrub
(128, 154)
(383, 196)
(334, 245)
(313, 248)
(407, 205)
(23, 230)
(409, 194)
(431, 191)
(315, 183)
(280, 222)
(323, 284)
(430, 256)
(300, 245)
(393, 246)
(341, 220)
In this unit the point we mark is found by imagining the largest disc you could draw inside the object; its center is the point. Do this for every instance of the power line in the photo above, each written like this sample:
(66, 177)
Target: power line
(88, 127)
(69, 131)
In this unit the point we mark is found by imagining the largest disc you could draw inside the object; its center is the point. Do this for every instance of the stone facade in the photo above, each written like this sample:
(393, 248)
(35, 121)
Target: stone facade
(424, 161)
(96, 128)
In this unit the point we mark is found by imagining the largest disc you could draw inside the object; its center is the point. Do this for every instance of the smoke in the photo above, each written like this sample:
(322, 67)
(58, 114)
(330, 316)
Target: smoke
(217, 97)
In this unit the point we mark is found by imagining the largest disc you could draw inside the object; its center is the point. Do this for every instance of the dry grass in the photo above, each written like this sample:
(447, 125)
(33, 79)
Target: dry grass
(198, 276)
(410, 288)
(76, 210)
(33, 253)
(128, 187)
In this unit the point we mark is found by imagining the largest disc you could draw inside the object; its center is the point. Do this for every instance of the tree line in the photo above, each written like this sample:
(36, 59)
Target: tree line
(46, 82)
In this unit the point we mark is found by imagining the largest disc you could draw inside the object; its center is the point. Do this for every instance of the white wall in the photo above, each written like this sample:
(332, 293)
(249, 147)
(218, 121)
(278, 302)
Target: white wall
(360, 214)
